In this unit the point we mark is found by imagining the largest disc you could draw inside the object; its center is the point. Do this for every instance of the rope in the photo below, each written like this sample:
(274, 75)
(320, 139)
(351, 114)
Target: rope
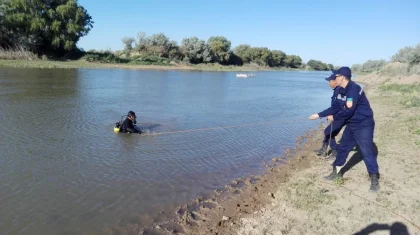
(228, 127)
(351, 191)
(331, 130)
(363, 198)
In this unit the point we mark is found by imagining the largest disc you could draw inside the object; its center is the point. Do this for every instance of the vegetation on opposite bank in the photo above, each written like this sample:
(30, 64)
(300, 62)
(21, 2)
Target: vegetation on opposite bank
(50, 30)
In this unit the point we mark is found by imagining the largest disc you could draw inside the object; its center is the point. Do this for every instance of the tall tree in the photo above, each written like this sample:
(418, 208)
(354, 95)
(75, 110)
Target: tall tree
(194, 50)
(219, 48)
(293, 61)
(261, 55)
(243, 51)
(128, 43)
(278, 58)
(158, 44)
(46, 26)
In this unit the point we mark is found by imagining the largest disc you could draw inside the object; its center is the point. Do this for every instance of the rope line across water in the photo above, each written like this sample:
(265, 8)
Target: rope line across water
(229, 127)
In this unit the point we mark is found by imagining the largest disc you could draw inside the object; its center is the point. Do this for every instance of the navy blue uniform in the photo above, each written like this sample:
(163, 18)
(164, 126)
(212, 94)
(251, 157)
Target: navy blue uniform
(337, 104)
(360, 127)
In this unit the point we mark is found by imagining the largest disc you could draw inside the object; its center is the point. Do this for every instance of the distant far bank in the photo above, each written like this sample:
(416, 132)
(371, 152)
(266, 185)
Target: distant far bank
(71, 64)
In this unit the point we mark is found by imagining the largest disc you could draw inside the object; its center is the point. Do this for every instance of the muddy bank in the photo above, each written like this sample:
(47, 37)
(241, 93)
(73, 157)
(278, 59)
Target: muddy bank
(293, 197)
(308, 204)
(220, 212)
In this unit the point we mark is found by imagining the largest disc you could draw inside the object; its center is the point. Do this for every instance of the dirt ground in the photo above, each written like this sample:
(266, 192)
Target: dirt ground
(308, 204)
(294, 198)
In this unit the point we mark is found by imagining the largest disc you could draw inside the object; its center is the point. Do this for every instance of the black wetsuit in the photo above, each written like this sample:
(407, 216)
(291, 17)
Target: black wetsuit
(128, 126)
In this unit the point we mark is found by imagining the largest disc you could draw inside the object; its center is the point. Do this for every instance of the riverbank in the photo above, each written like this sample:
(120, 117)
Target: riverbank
(85, 64)
(307, 204)
(294, 198)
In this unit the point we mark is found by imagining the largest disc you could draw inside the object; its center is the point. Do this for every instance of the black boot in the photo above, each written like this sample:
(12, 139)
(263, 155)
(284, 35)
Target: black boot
(334, 174)
(332, 155)
(322, 151)
(374, 182)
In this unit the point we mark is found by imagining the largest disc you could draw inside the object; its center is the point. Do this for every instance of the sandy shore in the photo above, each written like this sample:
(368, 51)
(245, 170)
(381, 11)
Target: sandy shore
(293, 197)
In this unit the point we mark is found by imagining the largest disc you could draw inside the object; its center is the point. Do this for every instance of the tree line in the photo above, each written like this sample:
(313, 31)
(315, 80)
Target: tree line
(216, 49)
(53, 28)
(405, 62)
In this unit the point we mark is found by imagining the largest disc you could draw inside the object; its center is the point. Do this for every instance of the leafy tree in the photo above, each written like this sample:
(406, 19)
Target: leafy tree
(46, 26)
(219, 49)
(141, 43)
(243, 51)
(194, 49)
(235, 59)
(278, 58)
(356, 67)
(128, 43)
(409, 55)
(372, 65)
(174, 52)
(158, 44)
(318, 65)
(293, 61)
(261, 55)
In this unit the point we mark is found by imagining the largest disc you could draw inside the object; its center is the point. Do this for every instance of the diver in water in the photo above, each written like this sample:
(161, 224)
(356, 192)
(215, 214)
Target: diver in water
(129, 124)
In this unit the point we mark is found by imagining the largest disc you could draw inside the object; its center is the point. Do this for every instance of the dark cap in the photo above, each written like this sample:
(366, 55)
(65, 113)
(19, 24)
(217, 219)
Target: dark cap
(345, 71)
(331, 77)
(132, 113)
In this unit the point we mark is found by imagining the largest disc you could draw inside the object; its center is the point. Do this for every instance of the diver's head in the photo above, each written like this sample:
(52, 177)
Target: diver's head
(131, 115)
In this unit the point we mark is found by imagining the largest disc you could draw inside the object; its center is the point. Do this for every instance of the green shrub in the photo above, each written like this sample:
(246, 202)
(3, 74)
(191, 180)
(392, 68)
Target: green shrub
(402, 88)
(409, 55)
(103, 57)
(149, 60)
(411, 101)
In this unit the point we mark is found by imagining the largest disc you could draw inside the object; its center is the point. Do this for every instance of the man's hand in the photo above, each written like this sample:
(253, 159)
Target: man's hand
(314, 116)
(330, 118)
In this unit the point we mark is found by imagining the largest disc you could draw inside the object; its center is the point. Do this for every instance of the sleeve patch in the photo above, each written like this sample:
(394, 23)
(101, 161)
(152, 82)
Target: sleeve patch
(349, 102)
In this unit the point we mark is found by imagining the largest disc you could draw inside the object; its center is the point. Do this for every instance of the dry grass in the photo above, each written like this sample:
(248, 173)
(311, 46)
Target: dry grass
(306, 196)
(408, 94)
(17, 53)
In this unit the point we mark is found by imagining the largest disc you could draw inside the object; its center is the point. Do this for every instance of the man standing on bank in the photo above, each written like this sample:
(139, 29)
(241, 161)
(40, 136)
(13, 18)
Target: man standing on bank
(360, 127)
(332, 130)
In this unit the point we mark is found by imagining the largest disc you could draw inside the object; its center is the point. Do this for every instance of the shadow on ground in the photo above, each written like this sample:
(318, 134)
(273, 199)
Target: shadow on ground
(356, 158)
(396, 228)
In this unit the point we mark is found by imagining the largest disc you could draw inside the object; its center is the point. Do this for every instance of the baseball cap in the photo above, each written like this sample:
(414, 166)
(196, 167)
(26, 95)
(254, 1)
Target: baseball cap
(331, 77)
(345, 71)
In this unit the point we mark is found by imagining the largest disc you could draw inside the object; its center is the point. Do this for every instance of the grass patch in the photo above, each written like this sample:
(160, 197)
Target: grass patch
(410, 101)
(401, 88)
(306, 196)
(409, 94)
(339, 181)
(17, 53)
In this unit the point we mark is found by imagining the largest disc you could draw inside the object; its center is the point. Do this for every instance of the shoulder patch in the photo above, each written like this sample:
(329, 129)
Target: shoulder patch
(349, 102)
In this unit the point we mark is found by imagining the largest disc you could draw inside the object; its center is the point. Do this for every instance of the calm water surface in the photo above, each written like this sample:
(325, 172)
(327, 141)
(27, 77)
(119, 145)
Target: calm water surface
(64, 171)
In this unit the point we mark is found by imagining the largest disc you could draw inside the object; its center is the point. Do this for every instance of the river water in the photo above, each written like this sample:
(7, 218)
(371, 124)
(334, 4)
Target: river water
(64, 171)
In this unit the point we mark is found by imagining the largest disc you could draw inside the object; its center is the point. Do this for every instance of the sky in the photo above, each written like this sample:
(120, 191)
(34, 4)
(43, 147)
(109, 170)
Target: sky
(337, 32)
